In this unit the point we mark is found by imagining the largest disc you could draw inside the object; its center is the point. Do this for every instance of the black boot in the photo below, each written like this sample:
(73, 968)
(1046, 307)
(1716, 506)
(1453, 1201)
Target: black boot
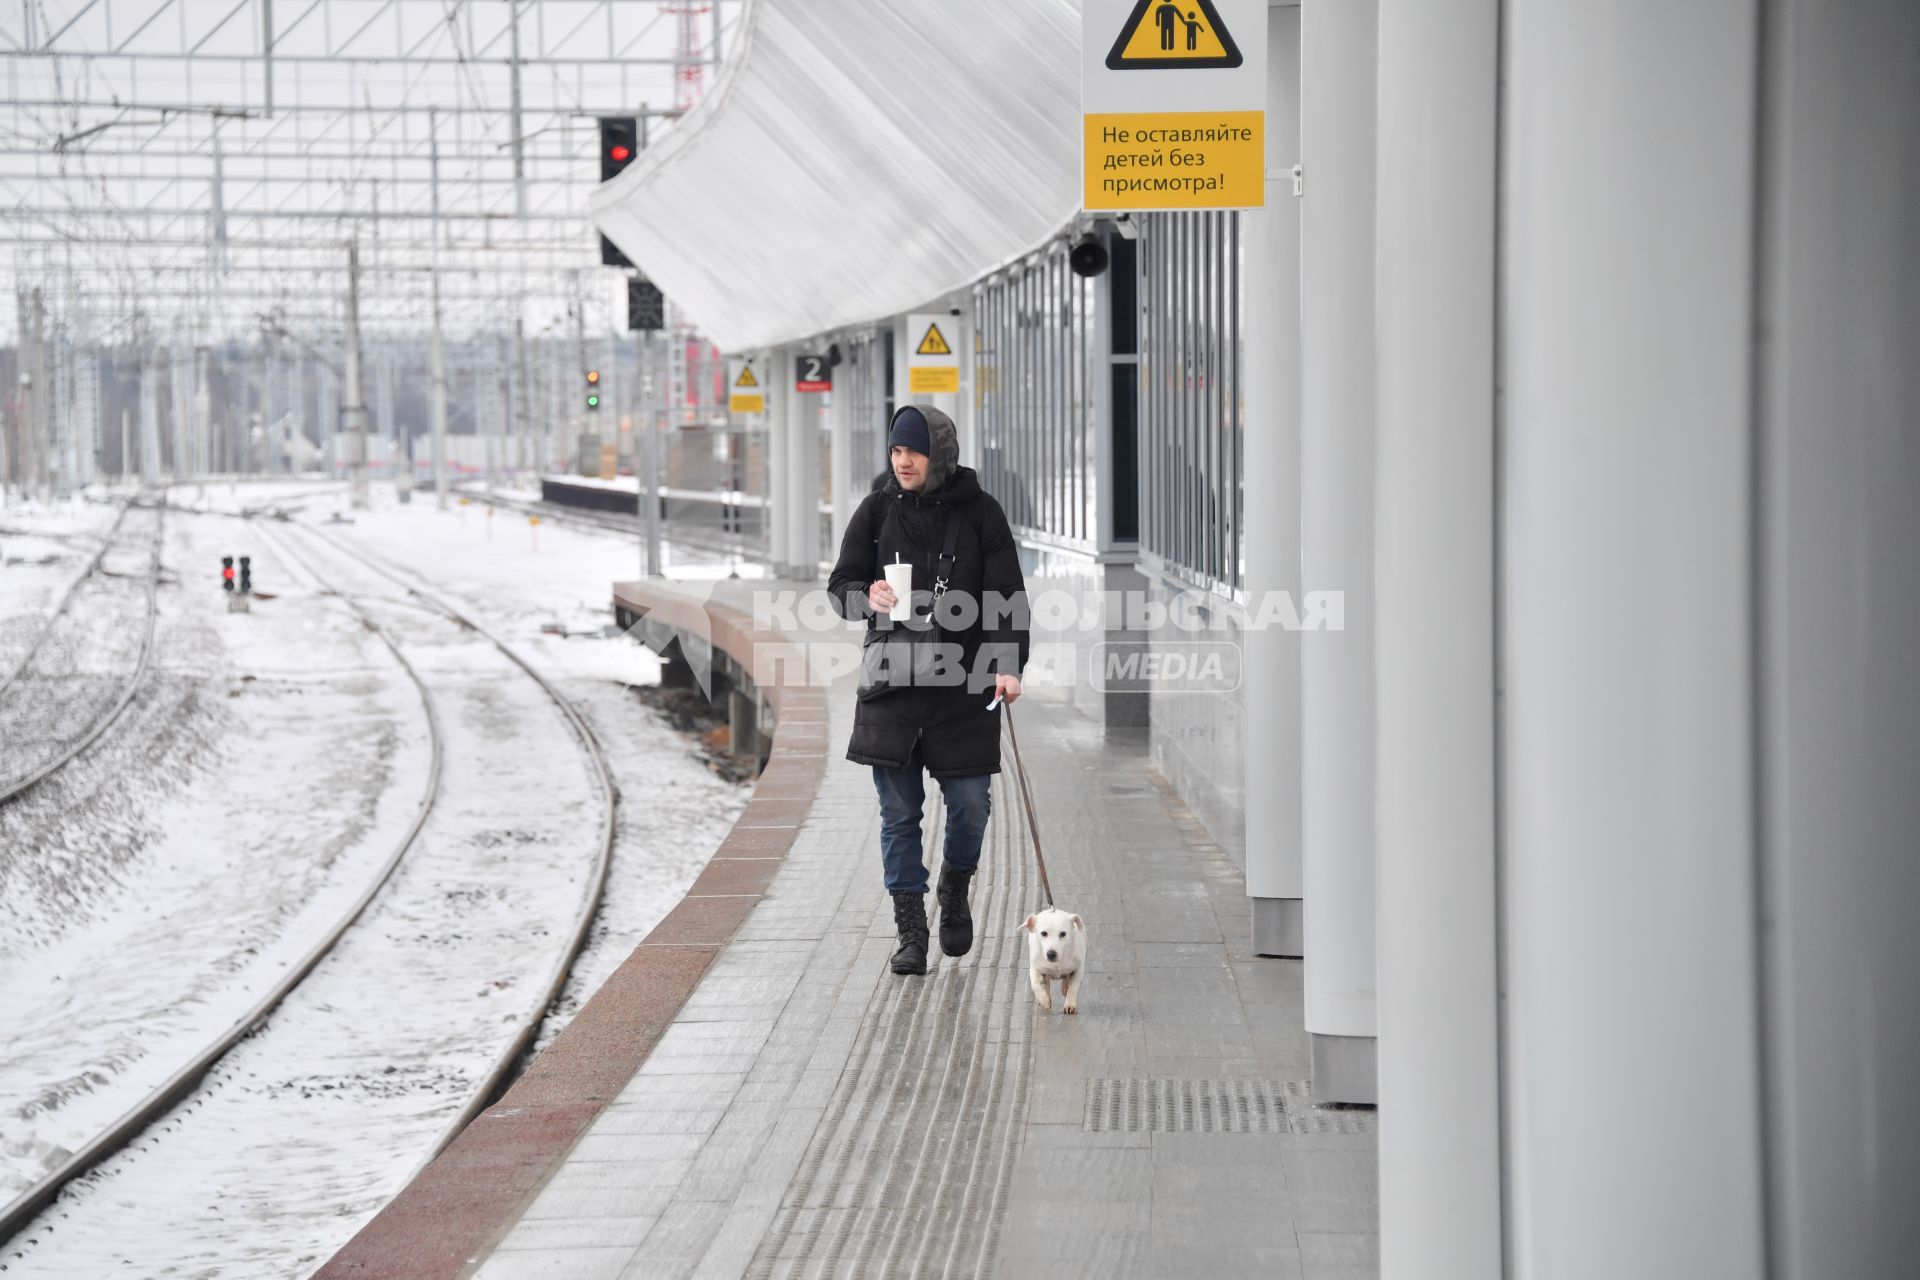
(910, 918)
(956, 919)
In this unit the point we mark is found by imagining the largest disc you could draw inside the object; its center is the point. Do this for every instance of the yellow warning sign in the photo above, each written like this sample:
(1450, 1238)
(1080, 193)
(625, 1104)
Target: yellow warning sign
(1167, 34)
(923, 380)
(1174, 160)
(1191, 137)
(745, 393)
(934, 343)
(933, 363)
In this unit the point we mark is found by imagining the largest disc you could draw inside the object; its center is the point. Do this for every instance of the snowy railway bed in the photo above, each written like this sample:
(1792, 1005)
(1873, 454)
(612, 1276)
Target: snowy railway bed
(24, 626)
(186, 1078)
(78, 676)
(608, 832)
(400, 1013)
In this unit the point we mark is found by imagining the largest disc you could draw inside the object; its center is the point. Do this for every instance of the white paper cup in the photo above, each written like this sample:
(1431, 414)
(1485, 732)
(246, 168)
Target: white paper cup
(900, 578)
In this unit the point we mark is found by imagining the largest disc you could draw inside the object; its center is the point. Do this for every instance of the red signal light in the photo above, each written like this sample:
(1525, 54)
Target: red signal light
(619, 141)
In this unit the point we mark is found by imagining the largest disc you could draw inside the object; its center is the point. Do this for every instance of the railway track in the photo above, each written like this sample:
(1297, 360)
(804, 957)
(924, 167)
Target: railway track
(500, 1075)
(31, 696)
(186, 1078)
(66, 598)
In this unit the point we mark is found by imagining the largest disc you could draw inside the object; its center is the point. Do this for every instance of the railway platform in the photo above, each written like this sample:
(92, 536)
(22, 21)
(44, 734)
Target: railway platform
(755, 1094)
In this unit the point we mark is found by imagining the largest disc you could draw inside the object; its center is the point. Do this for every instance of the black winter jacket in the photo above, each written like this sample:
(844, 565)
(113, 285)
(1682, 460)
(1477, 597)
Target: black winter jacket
(958, 736)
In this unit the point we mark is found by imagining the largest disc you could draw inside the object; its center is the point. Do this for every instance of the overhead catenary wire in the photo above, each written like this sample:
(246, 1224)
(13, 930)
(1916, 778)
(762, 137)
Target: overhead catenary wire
(329, 147)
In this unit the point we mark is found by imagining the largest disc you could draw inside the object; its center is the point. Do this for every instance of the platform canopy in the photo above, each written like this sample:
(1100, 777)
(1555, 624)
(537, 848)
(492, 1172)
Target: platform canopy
(850, 166)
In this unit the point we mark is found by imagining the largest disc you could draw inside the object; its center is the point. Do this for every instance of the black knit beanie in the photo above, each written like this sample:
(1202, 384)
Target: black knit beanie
(910, 429)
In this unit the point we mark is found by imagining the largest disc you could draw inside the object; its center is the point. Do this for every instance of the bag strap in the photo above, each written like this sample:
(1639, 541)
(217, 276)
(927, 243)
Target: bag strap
(943, 573)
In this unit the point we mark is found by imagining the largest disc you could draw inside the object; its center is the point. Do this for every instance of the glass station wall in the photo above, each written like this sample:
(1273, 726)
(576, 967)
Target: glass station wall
(1192, 500)
(1034, 360)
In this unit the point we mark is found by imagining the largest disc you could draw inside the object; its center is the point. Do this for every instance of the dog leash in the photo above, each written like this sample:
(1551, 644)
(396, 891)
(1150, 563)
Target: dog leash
(1026, 794)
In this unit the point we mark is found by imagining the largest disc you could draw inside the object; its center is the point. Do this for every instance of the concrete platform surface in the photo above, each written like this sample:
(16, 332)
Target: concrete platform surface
(808, 1113)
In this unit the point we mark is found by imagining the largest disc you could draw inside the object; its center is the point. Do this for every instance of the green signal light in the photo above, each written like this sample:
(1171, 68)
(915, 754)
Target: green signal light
(593, 402)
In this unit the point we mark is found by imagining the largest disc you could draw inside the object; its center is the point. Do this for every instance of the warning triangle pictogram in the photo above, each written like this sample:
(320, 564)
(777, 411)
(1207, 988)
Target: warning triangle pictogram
(746, 378)
(934, 344)
(1173, 35)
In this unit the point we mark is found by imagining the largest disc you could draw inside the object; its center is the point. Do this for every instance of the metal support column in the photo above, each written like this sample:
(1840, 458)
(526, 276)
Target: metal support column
(803, 487)
(780, 465)
(647, 456)
(1434, 560)
(523, 393)
(439, 338)
(518, 136)
(439, 402)
(354, 392)
(1272, 653)
(266, 56)
(848, 489)
(1337, 488)
(150, 415)
(202, 412)
(1839, 720)
(1632, 922)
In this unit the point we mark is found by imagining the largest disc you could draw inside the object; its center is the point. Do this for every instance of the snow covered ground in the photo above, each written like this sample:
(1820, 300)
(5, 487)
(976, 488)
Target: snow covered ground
(42, 550)
(521, 579)
(73, 656)
(269, 767)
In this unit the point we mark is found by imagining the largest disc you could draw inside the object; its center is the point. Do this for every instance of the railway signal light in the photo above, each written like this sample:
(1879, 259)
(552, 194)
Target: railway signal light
(226, 572)
(246, 575)
(619, 144)
(646, 308)
(593, 389)
(619, 140)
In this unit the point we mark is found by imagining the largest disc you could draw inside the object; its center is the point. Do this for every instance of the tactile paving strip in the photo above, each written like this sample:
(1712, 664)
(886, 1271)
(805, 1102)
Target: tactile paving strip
(908, 1172)
(1166, 1105)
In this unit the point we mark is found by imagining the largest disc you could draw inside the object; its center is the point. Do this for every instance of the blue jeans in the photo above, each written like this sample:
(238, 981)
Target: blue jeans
(903, 793)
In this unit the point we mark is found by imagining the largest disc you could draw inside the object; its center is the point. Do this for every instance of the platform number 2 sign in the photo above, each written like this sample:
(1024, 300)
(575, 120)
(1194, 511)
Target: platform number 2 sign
(812, 373)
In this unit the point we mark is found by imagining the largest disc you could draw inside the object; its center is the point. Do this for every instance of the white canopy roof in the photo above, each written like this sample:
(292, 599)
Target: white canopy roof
(857, 160)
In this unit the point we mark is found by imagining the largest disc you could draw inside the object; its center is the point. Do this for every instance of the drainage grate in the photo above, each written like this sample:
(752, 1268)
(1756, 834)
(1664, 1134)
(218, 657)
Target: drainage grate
(1165, 1105)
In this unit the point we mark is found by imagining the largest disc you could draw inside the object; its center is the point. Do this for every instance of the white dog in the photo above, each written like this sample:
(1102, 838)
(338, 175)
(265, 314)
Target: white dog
(1056, 949)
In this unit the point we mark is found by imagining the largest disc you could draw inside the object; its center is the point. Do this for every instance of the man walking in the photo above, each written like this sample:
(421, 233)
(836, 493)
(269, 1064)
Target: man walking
(925, 685)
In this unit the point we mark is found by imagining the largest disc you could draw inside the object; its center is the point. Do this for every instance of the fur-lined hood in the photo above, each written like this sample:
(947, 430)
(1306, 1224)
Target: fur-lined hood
(944, 461)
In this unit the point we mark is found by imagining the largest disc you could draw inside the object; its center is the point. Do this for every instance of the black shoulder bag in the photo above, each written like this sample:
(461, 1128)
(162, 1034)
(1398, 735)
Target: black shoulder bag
(881, 660)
